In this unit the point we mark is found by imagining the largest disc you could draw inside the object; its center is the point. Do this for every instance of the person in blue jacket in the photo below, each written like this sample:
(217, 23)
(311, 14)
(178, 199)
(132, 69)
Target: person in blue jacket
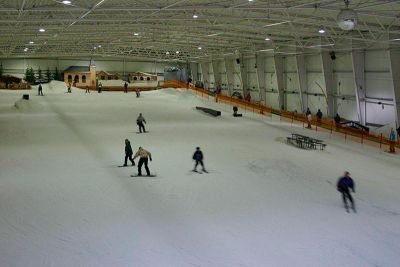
(344, 185)
(198, 157)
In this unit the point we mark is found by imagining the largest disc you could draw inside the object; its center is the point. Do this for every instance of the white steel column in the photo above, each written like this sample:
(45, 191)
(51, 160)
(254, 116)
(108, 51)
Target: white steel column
(302, 78)
(194, 70)
(260, 62)
(278, 61)
(229, 74)
(206, 75)
(217, 76)
(358, 60)
(243, 78)
(394, 57)
(327, 69)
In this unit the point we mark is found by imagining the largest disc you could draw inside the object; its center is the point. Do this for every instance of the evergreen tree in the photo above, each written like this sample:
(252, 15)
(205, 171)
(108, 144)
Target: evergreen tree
(40, 75)
(48, 75)
(29, 75)
(57, 75)
(1, 70)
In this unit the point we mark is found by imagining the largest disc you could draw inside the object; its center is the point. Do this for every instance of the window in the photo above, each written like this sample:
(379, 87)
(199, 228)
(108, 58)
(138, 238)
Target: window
(116, 78)
(103, 77)
(141, 78)
(109, 77)
(76, 79)
(83, 78)
(148, 78)
(135, 78)
(70, 78)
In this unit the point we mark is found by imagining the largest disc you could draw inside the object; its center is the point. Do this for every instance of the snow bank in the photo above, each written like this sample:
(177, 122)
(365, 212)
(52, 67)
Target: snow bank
(27, 105)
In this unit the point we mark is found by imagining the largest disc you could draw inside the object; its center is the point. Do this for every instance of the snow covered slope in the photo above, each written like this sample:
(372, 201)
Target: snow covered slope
(64, 201)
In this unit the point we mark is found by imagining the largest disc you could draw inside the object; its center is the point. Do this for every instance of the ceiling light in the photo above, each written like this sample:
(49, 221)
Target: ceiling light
(321, 29)
(177, 52)
(347, 19)
(277, 23)
(95, 48)
(31, 42)
(66, 2)
(42, 29)
(26, 49)
(251, 0)
(199, 48)
(195, 16)
(99, 46)
(167, 53)
(136, 33)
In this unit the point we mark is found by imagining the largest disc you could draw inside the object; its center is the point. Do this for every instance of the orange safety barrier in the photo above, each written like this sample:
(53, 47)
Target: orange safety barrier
(325, 125)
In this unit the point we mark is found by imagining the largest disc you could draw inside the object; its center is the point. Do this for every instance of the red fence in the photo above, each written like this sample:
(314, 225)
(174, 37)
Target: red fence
(325, 125)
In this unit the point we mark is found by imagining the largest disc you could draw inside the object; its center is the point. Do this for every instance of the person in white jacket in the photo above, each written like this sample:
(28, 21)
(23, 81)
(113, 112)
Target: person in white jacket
(144, 157)
(140, 121)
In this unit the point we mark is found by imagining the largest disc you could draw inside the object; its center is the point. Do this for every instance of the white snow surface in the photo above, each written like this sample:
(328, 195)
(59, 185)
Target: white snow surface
(64, 201)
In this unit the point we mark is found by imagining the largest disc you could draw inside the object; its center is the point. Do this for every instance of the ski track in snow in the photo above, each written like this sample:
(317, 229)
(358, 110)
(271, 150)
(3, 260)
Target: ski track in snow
(64, 201)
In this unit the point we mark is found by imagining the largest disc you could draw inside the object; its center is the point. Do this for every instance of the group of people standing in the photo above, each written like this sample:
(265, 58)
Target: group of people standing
(145, 156)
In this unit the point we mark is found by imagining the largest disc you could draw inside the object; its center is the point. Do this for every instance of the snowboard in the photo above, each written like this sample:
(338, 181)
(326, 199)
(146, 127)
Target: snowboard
(200, 172)
(144, 176)
(122, 166)
(142, 132)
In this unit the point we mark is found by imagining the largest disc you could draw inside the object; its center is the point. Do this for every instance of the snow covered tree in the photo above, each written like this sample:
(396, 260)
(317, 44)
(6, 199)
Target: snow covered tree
(40, 75)
(57, 75)
(29, 75)
(1, 70)
(48, 75)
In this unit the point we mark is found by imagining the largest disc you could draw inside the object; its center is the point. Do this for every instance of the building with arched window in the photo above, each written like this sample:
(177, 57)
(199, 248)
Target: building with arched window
(81, 76)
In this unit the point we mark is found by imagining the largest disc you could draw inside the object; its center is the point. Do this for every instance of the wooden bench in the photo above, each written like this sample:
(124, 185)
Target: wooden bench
(210, 111)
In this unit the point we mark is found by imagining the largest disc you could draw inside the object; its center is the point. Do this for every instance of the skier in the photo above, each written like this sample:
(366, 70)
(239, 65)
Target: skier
(309, 118)
(40, 89)
(128, 153)
(140, 121)
(100, 88)
(398, 131)
(69, 88)
(87, 89)
(144, 157)
(337, 119)
(319, 115)
(198, 157)
(125, 87)
(137, 92)
(344, 185)
(392, 141)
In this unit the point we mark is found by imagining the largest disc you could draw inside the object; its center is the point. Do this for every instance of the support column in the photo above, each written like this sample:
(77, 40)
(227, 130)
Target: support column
(206, 76)
(194, 70)
(278, 61)
(243, 78)
(327, 70)
(358, 60)
(229, 74)
(217, 76)
(260, 62)
(394, 58)
(302, 78)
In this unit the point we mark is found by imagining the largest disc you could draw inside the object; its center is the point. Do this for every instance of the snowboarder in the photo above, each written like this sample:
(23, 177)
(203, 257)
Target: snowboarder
(87, 89)
(128, 153)
(40, 89)
(398, 131)
(144, 157)
(248, 97)
(140, 121)
(309, 118)
(69, 88)
(337, 119)
(99, 88)
(137, 92)
(392, 141)
(319, 116)
(198, 157)
(125, 87)
(344, 185)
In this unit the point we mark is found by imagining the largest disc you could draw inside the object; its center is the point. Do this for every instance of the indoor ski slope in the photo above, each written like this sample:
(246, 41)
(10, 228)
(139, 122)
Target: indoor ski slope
(64, 201)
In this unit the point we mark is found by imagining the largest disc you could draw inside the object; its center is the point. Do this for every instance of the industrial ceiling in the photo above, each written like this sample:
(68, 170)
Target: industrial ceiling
(191, 29)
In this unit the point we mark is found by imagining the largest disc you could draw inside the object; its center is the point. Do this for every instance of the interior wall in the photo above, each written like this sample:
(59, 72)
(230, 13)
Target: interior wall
(17, 66)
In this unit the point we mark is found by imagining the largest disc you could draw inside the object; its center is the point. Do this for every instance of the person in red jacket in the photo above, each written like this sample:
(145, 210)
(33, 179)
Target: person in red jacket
(248, 97)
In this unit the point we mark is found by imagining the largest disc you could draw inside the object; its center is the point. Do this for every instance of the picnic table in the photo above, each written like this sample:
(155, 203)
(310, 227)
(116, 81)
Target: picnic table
(306, 142)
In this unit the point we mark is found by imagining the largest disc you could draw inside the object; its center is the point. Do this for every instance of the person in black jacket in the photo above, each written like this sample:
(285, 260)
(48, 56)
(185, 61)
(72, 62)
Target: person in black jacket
(128, 153)
(198, 157)
(344, 185)
(40, 89)
(319, 115)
